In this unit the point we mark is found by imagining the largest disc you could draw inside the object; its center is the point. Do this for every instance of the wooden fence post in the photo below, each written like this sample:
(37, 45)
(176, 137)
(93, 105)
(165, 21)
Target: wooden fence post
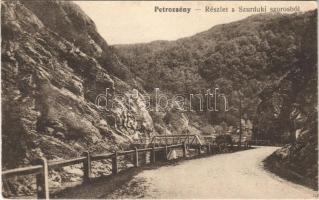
(114, 163)
(166, 153)
(199, 149)
(42, 180)
(184, 149)
(209, 149)
(87, 167)
(153, 155)
(136, 157)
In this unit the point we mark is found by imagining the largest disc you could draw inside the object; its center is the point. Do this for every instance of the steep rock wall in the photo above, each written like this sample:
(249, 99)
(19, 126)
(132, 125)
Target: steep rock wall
(54, 65)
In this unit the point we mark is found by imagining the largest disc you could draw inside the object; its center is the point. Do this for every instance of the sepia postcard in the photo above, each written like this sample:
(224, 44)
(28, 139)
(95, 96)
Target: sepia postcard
(159, 99)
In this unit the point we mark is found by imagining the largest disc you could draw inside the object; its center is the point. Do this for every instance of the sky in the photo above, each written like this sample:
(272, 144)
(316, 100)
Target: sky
(130, 22)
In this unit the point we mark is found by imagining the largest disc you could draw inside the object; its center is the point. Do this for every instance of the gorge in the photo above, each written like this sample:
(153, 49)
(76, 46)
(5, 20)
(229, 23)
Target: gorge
(55, 64)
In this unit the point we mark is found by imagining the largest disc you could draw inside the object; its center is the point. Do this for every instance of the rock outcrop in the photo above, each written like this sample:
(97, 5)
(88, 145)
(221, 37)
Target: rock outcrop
(54, 66)
(288, 112)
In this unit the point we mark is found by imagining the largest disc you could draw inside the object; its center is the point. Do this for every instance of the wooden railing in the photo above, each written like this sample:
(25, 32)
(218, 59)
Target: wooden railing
(174, 139)
(42, 166)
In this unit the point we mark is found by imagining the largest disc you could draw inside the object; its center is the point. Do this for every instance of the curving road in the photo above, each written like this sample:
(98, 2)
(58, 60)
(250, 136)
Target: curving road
(234, 175)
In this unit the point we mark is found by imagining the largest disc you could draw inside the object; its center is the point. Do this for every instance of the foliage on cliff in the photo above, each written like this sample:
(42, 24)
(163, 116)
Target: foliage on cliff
(294, 101)
(253, 56)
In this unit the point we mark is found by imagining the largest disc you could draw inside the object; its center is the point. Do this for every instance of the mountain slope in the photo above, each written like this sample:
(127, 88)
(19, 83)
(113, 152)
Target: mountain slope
(54, 65)
(250, 56)
(270, 58)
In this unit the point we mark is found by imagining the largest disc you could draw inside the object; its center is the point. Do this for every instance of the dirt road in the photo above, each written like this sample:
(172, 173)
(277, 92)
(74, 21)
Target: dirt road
(234, 175)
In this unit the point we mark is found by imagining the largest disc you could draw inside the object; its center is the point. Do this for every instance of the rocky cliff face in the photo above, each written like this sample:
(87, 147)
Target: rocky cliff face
(54, 65)
(290, 107)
